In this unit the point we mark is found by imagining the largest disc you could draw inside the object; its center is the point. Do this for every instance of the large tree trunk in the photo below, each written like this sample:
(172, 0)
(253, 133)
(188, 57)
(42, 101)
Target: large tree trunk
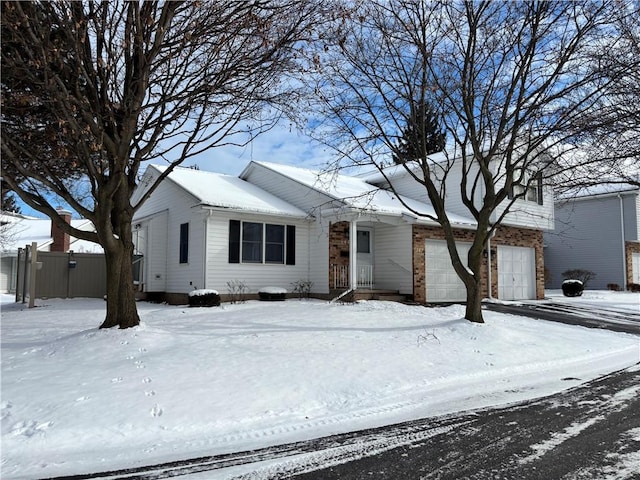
(473, 282)
(121, 301)
(473, 311)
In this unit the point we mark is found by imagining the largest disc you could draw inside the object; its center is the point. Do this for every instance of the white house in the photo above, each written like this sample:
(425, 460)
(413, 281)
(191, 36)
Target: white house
(275, 225)
(597, 230)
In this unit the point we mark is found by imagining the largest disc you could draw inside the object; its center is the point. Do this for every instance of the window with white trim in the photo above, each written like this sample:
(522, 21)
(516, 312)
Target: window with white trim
(528, 188)
(267, 243)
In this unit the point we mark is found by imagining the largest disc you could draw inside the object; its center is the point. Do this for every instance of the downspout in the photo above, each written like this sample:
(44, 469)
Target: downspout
(624, 246)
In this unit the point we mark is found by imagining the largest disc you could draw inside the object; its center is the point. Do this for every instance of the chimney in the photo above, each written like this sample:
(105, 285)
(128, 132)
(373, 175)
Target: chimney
(61, 239)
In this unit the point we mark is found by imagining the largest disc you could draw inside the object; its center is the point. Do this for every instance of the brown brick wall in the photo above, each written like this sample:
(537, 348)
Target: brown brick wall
(630, 249)
(515, 237)
(61, 239)
(338, 247)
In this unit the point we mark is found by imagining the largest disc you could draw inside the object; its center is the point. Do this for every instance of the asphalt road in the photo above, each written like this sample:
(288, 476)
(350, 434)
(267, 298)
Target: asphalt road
(585, 315)
(589, 432)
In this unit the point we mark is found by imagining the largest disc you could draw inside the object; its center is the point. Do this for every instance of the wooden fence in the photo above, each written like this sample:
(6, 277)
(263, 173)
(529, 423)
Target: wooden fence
(61, 275)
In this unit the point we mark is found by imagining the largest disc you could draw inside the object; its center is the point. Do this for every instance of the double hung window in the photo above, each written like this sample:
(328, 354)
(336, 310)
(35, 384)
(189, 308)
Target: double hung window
(253, 242)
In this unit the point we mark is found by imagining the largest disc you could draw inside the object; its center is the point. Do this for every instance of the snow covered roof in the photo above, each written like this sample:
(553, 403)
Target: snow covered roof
(21, 230)
(356, 193)
(226, 191)
(601, 190)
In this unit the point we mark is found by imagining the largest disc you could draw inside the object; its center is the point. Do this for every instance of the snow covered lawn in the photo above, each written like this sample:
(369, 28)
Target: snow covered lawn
(202, 381)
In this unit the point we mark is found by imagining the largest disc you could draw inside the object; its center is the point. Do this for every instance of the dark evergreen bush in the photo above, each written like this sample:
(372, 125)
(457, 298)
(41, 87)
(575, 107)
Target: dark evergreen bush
(272, 294)
(572, 288)
(204, 298)
(634, 287)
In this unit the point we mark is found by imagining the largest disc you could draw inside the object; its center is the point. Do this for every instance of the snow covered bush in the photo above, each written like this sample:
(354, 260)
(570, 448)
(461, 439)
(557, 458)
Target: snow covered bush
(272, 294)
(585, 276)
(204, 298)
(572, 288)
(634, 287)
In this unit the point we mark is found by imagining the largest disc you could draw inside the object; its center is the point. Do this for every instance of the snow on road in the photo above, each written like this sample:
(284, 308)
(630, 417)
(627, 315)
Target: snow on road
(202, 381)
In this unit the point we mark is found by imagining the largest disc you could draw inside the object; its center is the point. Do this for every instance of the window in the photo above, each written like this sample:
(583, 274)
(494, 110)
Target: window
(363, 241)
(251, 242)
(184, 243)
(274, 244)
(529, 187)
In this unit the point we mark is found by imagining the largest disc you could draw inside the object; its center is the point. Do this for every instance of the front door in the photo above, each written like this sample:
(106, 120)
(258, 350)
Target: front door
(364, 257)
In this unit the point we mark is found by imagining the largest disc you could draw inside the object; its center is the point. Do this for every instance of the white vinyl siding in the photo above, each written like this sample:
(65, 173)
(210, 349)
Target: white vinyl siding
(163, 213)
(287, 189)
(318, 256)
(155, 255)
(393, 264)
(523, 213)
(255, 275)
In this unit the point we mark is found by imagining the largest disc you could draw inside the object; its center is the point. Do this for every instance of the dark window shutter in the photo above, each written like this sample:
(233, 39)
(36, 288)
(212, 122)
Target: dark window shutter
(184, 243)
(234, 241)
(291, 245)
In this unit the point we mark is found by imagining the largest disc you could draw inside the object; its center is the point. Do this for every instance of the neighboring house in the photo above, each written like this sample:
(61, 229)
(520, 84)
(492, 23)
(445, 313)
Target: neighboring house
(277, 224)
(18, 231)
(597, 231)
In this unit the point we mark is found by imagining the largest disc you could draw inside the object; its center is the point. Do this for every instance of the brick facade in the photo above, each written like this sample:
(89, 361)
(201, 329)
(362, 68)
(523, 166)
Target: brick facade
(629, 250)
(510, 236)
(61, 239)
(338, 248)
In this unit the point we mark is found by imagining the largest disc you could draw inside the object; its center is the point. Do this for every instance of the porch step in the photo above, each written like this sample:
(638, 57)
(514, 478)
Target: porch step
(385, 295)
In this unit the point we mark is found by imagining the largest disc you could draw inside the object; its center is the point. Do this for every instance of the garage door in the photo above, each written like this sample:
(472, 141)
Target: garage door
(443, 283)
(516, 273)
(635, 268)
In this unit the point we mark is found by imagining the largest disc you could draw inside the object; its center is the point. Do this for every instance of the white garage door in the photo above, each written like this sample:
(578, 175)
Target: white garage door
(516, 273)
(635, 267)
(443, 283)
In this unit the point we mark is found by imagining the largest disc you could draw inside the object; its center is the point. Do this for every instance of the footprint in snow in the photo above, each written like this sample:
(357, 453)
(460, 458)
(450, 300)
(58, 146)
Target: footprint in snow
(146, 380)
(156, 411)
(116, 380)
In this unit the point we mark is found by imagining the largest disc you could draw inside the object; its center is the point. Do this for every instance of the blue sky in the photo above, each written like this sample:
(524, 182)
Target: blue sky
(282, 144)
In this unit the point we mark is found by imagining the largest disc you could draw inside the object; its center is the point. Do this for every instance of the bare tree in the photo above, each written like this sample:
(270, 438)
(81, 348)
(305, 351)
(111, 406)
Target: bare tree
(127, 82)
(609, 134)
(509, 80)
